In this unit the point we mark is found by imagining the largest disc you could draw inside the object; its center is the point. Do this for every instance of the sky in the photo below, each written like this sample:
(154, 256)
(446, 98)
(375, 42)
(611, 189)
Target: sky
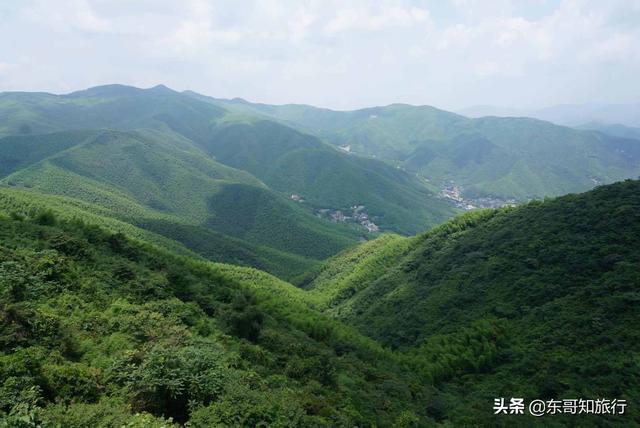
(338, 54)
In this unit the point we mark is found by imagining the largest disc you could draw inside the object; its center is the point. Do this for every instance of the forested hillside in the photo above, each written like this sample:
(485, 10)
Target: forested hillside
(280, 214)
(289, 162)
(558, 280)
(536, 301)
(182, 194)
(503, 158)
(295, 163)
(97, 329)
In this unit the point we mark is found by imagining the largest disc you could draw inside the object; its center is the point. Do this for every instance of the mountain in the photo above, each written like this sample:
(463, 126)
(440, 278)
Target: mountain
(110, 106)
(574, 115)
(140, 228)
(298, 164)
(23, 150)
(526, 158)
(178, 192)
(273, 153)
(504, 159)
(615, 130)
(385, 132)
(488, 110)
(567, 114)
(534, 301)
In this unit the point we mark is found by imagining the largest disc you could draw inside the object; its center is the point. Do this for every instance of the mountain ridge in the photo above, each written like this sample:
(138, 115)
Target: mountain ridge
(399, 132)
(202, 126)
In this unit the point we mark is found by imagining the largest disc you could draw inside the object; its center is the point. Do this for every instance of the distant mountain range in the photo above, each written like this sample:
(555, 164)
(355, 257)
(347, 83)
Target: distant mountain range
(615, 130)
(567, 114)
(487, 158)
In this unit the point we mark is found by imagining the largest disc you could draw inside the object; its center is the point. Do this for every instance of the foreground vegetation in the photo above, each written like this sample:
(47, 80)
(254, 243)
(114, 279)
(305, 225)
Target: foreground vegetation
(99, 329)
(535, 301)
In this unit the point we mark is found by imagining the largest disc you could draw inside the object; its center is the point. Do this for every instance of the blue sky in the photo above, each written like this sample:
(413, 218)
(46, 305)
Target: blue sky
(331, 53)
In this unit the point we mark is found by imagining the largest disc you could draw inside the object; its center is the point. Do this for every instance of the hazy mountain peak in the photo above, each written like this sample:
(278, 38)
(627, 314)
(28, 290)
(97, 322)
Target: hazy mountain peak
(105, 90)
(161, 89)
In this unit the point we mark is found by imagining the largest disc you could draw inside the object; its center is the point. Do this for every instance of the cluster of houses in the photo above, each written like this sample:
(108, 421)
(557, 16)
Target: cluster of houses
(357, 215)
(454, 194)
(494, 202)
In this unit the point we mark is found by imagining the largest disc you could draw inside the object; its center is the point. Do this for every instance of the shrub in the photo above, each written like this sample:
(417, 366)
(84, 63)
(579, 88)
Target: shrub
(46, 218)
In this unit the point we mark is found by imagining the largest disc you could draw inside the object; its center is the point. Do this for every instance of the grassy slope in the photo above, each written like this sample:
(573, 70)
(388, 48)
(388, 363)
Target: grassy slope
(557, 280)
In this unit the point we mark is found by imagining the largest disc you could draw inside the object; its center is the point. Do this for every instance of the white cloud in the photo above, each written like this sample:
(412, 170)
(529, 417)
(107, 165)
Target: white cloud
(375, 18)
(87, 19)
(67, 16)
(5, 66)
(616, 47)
(342, 53)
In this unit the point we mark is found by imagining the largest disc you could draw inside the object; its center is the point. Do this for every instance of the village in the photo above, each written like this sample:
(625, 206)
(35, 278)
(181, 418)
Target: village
(357, 215)
(454, 194)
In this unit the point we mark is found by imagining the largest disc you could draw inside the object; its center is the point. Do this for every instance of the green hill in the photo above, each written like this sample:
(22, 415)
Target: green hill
(184, 239)
(17, 152)
(505, 158)
(386, 132)
(538, 301)
(217, 211)
(495, 157)
(295, 163)
(110, 106)
(288, 161)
